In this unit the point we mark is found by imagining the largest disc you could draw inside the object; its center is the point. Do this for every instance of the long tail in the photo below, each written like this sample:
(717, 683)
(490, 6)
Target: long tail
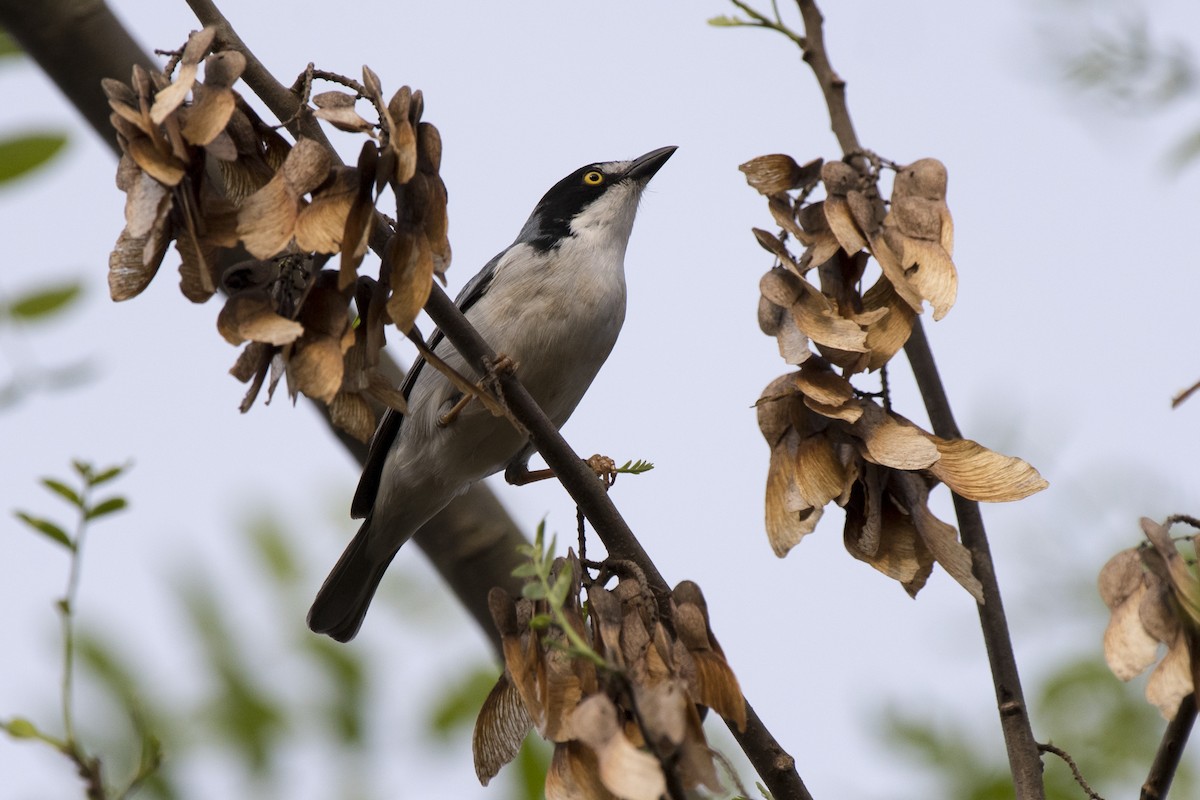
(346, 594)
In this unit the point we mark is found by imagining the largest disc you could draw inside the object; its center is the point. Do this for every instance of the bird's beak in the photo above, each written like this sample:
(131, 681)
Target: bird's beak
(643, 168)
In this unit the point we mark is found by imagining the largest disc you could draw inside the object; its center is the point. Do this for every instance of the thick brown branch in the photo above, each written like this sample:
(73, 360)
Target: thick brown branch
(1170, 751)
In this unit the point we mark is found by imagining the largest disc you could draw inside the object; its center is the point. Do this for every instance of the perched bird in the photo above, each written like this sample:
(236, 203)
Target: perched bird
(553, 302)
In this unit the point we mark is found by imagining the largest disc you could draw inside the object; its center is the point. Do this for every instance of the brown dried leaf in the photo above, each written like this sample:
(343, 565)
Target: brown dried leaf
(410, 264)
(818, 381)
(624, 770)
(321, 224)
(351, 413)
(917, 217)
(208, 116)
(222, 70)
(315, 367)
(868, 213)
(404, 144)
(1128, 646)
(429, 148)
(924, 178)
(889, 261)
(267, 218)
(147, 205)
(770, 242)
(889, 333)
(134, 262)
(841, 222)
(839, 177)
(1171, 680)
(820, 475)
(251, 315)
(1121, 577)
(164, 167)
(306, 166)
(934, 277)
(772, 174)
(892, 441)
(574, 774)
(784, 215)
(789, 516)
(663, 708)
(820, 321)
(940, 537)
(888, 541)
(337, 108)
(500, 729)
(195, 267)
(847, 412)
(977, 473)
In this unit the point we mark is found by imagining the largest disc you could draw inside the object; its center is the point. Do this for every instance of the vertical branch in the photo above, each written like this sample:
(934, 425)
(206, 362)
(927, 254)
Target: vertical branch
(1170, 750)
(1023, 755)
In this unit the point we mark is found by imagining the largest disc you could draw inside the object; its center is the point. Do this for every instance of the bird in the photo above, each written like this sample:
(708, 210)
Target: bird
(552, 303)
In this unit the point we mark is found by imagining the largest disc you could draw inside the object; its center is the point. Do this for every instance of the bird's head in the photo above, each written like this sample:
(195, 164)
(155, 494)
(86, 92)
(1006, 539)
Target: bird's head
(599, 198)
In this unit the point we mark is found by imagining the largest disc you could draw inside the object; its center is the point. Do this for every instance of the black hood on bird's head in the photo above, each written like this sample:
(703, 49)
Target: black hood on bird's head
(550, 221)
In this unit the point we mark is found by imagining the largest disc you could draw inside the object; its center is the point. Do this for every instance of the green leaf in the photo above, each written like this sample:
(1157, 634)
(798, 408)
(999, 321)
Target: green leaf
(106, 475)
(635, 467)
(107, 507)
(539, 622)
(44, 302)
(725, 21)
(526, 570)
(22, 154)
(533, 591)
(47, 528)
(83, 469)
(21, 728)
(562, 585)
(64, 491)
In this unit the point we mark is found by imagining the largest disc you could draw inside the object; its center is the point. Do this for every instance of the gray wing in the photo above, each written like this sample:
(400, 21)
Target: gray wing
(389, 425)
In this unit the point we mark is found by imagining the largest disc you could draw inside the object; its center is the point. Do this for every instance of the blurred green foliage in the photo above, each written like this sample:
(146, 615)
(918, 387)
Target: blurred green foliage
(259, 698)
(1106, 726)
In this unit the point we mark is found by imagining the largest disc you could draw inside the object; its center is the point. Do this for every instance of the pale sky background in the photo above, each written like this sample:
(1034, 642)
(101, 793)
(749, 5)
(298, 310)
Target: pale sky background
(1076, 322)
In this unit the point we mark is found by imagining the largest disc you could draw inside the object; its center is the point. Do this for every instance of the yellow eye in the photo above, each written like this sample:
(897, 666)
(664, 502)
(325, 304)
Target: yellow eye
(593, 178)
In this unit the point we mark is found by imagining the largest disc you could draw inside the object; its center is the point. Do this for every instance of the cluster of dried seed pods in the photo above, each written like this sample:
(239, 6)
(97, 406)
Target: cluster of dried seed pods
(830, 441)
(259, 218)
(1154, 596)
(624, 714)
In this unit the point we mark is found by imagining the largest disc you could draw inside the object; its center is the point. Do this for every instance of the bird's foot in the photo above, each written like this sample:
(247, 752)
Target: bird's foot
(521, 474)
(455, 410)
(502, 365)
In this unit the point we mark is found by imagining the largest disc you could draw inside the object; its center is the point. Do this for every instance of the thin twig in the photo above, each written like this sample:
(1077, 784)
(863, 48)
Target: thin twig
(1066, 757)
(1170, 751)
(1023, 756)
(773, 764)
